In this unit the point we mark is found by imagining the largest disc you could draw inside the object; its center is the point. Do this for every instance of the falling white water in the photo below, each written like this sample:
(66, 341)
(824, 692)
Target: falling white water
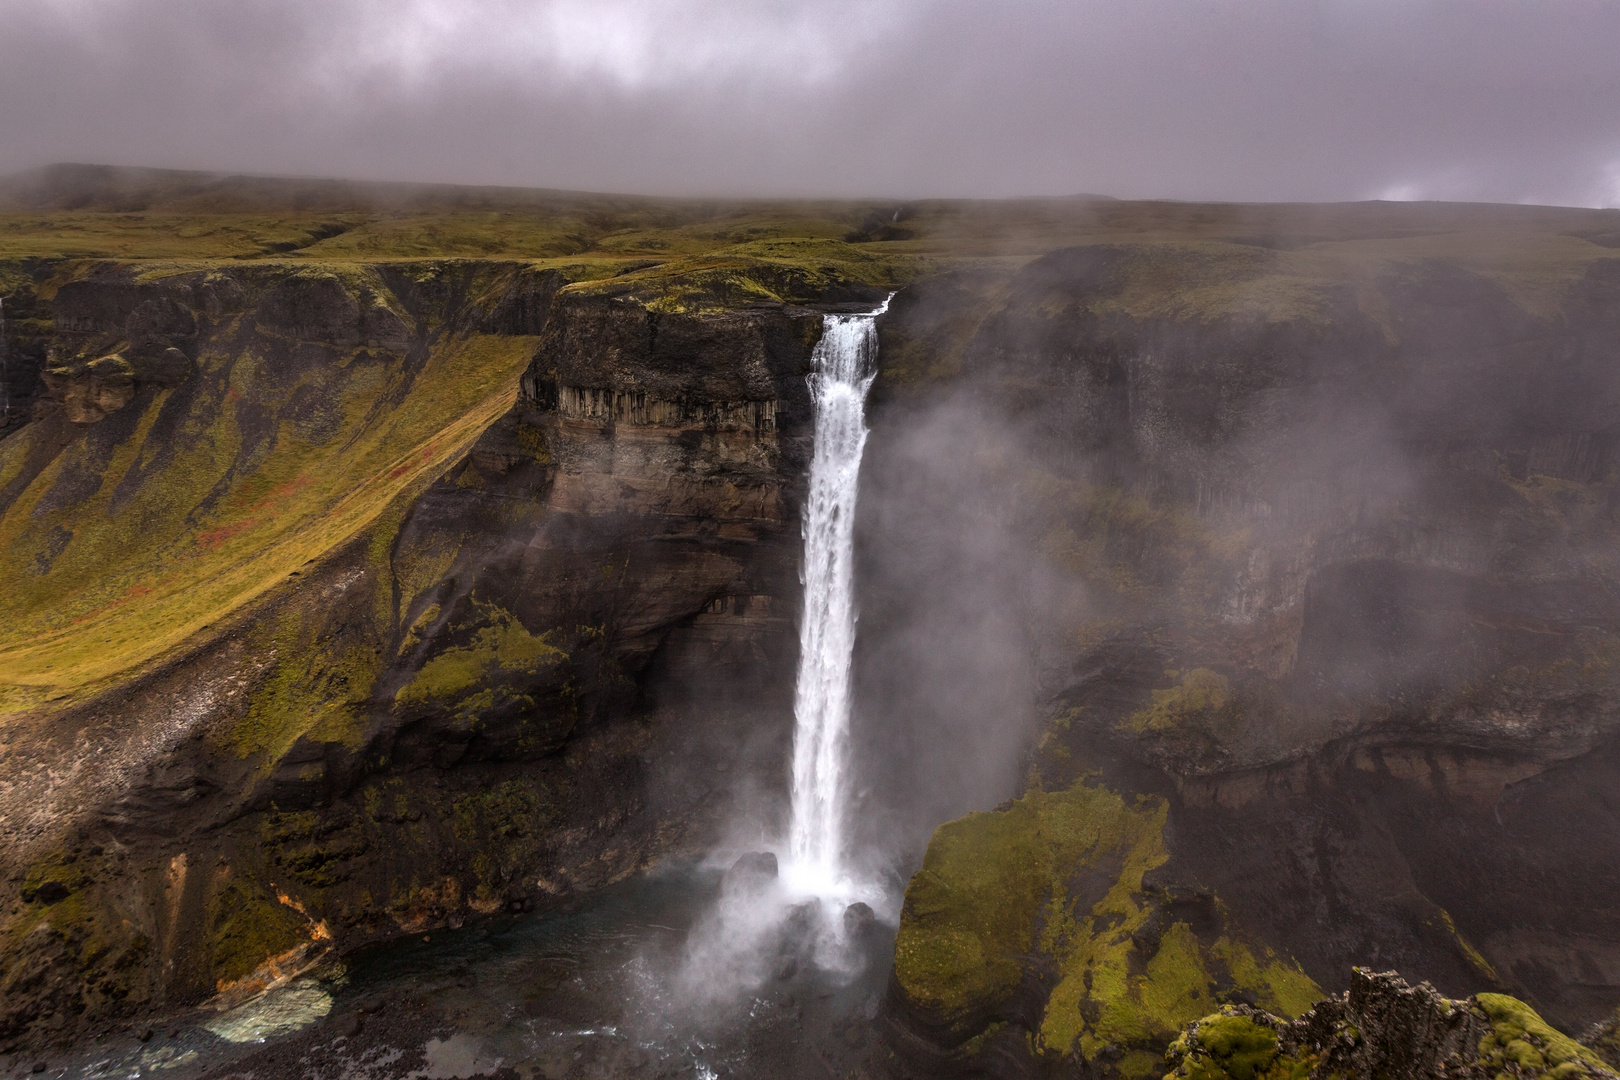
(844, 370)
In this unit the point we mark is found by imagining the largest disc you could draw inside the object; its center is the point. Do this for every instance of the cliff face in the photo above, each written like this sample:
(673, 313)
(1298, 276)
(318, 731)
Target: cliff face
(1332, 542)
(348, 601)
(1265, 555)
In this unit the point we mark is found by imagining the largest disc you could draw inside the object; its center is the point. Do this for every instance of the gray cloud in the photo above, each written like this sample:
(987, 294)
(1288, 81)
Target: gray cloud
(1261, 99)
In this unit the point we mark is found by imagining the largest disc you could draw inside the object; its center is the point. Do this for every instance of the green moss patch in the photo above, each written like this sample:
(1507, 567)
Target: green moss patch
(52, 879)
(1232, 1046)
(319, 686)
(1200, 693)
(1059, 875)
(246, 927)
(487, 673)
(1520, 1040)
(1112, 994)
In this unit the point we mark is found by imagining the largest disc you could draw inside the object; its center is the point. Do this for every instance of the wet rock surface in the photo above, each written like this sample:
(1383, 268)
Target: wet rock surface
(751, 872)
(399, 734)
(1384, 1027)
(1371, 745)
(587, 996)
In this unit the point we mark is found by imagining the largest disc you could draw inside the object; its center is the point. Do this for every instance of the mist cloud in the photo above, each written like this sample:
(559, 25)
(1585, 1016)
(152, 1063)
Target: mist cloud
(1256, 100)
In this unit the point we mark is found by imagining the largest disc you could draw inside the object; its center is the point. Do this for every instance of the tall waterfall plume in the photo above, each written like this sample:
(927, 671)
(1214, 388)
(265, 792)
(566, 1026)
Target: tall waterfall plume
(844, 369)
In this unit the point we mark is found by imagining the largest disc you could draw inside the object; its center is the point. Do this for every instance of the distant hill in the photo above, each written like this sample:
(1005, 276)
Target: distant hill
(121, 190)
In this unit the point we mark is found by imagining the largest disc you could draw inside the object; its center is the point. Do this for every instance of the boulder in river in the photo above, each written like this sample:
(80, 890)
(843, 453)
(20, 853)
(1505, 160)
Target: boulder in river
(750, 872)
(858, 919)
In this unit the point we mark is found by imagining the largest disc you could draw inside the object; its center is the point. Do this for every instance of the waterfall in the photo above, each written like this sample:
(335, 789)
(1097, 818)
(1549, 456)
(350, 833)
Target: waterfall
(843, 372)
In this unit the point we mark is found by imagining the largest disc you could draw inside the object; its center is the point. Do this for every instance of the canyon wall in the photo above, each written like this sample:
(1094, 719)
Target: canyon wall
(1271, 578)
(348, 602)
(1319, 640)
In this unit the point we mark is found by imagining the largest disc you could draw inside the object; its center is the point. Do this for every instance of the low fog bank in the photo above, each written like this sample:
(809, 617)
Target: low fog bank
(958, 612)
(1285, 509)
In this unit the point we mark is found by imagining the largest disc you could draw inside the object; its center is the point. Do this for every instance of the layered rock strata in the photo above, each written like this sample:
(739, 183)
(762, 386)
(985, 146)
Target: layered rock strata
(427, 591)
(1324, 599)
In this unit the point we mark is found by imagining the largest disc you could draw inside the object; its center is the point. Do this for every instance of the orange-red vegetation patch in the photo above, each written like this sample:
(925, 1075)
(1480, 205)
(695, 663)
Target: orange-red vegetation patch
(213, 538)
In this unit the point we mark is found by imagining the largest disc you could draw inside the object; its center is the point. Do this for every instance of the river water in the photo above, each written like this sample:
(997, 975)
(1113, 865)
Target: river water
(605, 991)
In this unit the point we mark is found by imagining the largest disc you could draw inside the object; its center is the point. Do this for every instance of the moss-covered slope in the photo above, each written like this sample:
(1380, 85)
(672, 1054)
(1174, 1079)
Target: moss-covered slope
(334, 589)
(1045, 924)
(288, 437)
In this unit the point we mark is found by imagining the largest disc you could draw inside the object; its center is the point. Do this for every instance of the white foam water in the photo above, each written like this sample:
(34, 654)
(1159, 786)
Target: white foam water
(843, 371)
(757, 933)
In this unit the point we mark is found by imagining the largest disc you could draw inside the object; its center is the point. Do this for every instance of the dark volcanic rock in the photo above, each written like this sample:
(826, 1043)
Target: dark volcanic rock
(750, 872)
(1383, 1027)
(50, 892)
(858, 920)
(510, 691)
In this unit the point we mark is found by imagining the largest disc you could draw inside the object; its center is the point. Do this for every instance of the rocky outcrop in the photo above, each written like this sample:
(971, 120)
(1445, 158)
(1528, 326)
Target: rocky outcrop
(89, 391)
(1382, 1027)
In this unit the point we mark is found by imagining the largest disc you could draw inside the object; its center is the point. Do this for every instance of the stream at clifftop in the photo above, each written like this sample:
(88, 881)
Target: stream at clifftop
(593, 993)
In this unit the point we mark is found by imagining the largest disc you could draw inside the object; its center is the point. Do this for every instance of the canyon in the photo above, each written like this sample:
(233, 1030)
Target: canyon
(1237, 588)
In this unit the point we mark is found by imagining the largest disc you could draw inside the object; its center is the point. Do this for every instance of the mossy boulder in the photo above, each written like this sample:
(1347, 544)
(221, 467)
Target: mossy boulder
(1048, 915)
(990, 882)
(1235, 1044)
(1383, 1029)
(1521, 1043)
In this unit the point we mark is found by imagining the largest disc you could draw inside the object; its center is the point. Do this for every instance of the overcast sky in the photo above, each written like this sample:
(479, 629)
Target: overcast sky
(1506, 100)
